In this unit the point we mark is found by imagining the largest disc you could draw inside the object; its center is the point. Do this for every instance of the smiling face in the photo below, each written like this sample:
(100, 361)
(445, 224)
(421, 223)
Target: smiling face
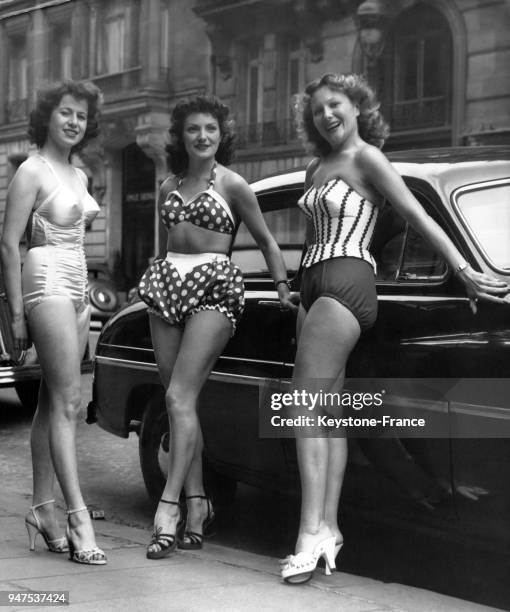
(334, 116)
(68, 122)
(201, 135)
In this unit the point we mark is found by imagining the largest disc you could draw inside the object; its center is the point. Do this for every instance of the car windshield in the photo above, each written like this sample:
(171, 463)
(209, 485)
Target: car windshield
(486, 212)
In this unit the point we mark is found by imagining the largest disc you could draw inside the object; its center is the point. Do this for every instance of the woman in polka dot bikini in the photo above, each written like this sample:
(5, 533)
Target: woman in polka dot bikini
(195, 296)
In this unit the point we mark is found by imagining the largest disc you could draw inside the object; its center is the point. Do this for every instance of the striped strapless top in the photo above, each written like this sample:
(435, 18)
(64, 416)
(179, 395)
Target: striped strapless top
(343, 222)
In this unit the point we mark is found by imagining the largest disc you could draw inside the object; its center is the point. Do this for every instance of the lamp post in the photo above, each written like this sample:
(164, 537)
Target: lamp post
(372, 17)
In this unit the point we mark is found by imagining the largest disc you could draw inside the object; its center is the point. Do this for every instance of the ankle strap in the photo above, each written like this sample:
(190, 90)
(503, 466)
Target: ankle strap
(50, 501)
(166, 501)
(197, 497)
(75, 510)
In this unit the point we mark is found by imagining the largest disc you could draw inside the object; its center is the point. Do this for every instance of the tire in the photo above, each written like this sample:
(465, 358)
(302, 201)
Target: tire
(153, 446)
(28, 393)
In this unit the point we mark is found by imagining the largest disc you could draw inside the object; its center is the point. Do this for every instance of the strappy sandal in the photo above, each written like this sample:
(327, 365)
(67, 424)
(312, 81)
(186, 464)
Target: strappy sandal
(90, 556)
(35, 527)
(167, 542)
(192, 540)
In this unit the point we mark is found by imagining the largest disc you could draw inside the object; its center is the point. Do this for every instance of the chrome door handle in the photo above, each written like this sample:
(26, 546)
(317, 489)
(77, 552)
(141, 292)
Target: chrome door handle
(271, 304)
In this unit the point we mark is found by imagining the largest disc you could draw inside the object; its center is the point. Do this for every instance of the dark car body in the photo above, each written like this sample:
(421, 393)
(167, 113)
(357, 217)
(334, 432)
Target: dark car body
(429, 352)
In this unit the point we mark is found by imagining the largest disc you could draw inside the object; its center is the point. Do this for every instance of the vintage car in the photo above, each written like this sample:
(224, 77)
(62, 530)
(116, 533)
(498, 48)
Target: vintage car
(428, 353)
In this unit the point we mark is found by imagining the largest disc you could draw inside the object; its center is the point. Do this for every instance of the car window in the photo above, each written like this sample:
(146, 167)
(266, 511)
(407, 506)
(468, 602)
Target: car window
(285, 222)
(401, 254)
(485, 210)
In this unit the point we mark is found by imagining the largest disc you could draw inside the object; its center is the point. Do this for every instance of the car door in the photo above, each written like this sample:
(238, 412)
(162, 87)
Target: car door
(480, 408)
(256, 361)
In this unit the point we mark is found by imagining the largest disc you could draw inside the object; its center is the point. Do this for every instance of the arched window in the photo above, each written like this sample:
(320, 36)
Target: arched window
(419, 75)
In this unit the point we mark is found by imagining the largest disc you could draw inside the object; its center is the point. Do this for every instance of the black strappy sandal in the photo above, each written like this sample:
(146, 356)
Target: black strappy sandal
(191, 540)
(167, 542)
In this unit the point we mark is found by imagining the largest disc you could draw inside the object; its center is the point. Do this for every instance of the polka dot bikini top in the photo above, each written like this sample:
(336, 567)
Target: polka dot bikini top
(206, 209)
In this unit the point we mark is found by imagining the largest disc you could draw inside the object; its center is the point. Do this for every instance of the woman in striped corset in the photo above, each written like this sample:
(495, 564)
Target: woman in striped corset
(346, 185)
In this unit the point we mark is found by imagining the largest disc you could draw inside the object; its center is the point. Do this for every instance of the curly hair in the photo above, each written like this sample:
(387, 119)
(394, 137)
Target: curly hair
(371, 125)
(177, 156)
(48, 99)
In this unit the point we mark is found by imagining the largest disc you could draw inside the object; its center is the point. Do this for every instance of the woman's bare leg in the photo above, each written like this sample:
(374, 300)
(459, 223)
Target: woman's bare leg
(200, 345)
(328, 334)
(60, 336)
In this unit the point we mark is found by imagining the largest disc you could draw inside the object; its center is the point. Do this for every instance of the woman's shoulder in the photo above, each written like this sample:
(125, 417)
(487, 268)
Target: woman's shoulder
(169, 184)
(230, 180)
(311, 169)
(31, 169)
(369, 155)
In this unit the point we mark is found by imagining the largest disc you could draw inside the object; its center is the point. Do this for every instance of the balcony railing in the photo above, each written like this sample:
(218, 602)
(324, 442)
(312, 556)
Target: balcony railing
(271, 133)
(119, 82)
(416, 114)
(17, 110)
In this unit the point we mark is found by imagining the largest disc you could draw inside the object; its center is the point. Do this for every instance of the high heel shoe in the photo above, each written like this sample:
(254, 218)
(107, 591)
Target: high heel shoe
(58, 545)
(91, 556)
(167, 542)
(192, 540)
(338, 547)
(299, 568)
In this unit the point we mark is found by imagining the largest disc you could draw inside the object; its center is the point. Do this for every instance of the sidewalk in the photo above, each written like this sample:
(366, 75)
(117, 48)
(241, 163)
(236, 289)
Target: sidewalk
(215, 578)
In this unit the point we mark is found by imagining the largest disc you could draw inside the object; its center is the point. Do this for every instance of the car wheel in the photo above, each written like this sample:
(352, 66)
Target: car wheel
(28, 393)
(154, 444)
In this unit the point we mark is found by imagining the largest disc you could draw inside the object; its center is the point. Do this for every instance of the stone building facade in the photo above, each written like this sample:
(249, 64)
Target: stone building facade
(441, 68)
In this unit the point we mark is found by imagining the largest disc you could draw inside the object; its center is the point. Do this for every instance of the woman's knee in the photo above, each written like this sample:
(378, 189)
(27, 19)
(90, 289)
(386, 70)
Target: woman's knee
(67, 401)
(179, 404)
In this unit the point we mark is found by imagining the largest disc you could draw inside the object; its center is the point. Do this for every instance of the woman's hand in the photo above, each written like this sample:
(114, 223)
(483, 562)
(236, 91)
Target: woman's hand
(483, 287)
(20, 333)
(288, 300)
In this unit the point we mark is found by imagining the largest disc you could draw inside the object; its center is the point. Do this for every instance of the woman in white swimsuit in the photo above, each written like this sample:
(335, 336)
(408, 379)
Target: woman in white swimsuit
(195, 297)
(48, 198)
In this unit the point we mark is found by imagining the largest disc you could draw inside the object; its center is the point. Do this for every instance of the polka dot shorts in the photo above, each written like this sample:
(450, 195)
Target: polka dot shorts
(214, 285)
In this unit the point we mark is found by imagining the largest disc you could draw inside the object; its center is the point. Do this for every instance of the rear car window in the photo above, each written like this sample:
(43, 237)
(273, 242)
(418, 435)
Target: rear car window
(285, 222)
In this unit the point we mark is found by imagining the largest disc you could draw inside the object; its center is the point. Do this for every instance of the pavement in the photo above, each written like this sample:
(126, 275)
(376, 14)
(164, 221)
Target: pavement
(215, 578)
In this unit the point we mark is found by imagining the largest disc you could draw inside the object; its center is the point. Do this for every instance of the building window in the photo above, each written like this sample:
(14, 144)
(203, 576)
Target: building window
(255, 84)
(18, 85)
(295, 83)
(61, 52)
(421, 66)
(164, 47)
(110, 50)
(271, 72)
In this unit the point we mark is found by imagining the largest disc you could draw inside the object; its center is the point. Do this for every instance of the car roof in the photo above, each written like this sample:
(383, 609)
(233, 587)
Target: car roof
(421, 163)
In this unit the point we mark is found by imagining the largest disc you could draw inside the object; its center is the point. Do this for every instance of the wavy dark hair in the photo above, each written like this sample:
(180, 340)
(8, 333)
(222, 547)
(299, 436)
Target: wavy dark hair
(48, 99)
(177, 156)
(371, 125)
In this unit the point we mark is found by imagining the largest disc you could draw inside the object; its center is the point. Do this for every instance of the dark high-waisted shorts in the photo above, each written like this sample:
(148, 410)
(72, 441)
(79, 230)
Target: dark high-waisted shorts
(349, 280)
